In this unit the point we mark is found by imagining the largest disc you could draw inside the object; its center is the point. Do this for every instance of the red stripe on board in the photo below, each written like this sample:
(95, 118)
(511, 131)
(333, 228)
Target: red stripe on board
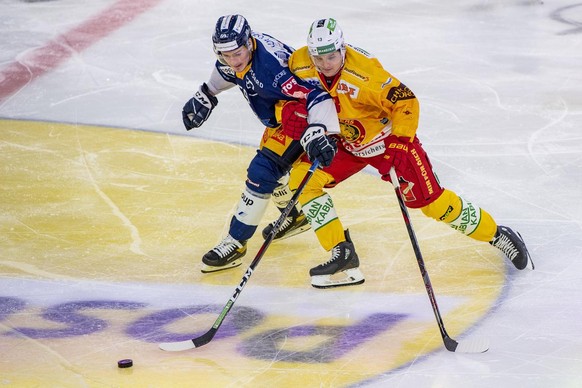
(43, 59)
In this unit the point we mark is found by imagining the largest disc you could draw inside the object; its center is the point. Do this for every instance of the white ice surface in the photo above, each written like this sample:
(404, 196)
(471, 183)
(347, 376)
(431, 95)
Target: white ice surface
(500, 86)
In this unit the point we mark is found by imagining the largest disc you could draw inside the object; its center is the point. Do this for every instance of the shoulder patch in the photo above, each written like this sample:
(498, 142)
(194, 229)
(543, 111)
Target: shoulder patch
(400, 92)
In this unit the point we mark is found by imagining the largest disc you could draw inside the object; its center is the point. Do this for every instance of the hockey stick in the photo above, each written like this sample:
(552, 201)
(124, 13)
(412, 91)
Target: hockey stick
(207, 337)
(477, 345)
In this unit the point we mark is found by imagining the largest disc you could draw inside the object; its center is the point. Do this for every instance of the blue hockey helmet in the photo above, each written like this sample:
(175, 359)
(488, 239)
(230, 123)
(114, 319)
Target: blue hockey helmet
(230, 33)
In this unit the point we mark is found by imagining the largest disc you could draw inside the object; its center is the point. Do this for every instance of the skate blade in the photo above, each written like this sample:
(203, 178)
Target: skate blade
(209, 268)
(294, 232)
(530, 265)
(349, 277)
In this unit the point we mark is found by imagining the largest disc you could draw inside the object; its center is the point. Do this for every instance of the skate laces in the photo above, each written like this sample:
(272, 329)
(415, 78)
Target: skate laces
(335, 254)
(226, 246)
(287, 223)
(504, 243)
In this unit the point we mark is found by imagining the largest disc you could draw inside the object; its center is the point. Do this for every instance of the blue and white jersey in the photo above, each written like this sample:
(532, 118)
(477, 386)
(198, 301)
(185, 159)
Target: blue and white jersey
(267, 80)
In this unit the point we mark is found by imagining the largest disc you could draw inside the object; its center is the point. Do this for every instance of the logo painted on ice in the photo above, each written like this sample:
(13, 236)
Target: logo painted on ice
(75, 319)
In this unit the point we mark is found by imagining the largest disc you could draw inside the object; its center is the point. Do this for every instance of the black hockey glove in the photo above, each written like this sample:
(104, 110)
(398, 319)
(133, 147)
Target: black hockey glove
(318, 145)
(198, 108)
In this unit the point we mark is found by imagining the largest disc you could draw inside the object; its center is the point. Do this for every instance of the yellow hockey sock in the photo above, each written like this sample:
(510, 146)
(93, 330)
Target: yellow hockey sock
(318, 206)
(462, 215)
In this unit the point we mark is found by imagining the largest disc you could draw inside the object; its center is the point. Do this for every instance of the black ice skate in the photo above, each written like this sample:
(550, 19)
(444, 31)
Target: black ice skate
(344, 263)
(225, 255)
(513, 247)
(294, 224)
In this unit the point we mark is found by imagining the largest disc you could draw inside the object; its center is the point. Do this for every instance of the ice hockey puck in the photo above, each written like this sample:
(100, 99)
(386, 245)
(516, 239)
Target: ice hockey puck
(126, 363)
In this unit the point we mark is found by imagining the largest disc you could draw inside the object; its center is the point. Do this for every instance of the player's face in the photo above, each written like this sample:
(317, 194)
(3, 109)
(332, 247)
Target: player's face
(328, 64)
(237, 59)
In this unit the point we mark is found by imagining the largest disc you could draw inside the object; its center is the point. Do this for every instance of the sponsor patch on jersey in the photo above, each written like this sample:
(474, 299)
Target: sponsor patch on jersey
(344, 87)
(301, 68)
(356, 74)
(399, 93)
(280, 75)
(292, 89)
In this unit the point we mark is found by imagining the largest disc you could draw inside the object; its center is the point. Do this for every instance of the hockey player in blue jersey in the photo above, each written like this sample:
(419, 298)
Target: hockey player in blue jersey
(257, 64)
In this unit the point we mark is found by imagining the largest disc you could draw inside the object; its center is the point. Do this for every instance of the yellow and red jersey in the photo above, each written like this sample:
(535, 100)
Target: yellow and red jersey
(371, 103)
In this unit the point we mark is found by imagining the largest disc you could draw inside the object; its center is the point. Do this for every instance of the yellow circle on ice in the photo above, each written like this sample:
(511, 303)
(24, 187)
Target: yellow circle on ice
(103, 229)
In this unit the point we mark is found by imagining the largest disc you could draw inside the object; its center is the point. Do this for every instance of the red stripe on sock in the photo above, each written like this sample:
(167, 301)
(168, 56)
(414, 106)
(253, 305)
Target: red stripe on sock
(41, 60)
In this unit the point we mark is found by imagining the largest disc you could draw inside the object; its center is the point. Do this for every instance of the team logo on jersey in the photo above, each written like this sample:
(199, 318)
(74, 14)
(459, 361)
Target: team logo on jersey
(249, 89)
(292, 88)
(351, 130)
(344, 87)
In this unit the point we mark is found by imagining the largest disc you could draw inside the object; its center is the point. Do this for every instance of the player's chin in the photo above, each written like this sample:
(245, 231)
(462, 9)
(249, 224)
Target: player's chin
(329, 73)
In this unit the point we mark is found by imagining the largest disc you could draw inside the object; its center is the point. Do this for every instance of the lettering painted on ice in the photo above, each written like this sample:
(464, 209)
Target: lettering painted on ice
(76, 319)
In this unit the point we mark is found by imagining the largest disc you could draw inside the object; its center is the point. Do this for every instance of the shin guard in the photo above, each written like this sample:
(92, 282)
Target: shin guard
(248, 214)
(282, 195)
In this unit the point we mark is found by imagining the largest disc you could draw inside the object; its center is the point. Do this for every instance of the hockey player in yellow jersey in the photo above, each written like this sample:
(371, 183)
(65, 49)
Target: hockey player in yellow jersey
(378, 118)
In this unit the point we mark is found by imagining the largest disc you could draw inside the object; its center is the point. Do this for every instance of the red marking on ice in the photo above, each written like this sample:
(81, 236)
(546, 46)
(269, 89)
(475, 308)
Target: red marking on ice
(41, 60)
